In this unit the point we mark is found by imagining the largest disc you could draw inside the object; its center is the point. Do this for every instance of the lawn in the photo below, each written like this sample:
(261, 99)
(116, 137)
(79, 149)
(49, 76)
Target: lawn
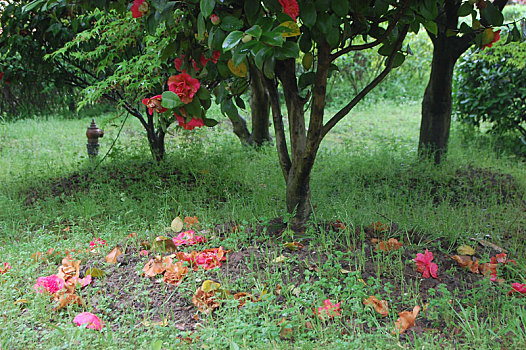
(367, 185)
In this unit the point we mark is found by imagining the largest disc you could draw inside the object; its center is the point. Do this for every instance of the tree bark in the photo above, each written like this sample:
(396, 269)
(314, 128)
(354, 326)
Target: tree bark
(156, 142)
(260, 108)
(437, 102)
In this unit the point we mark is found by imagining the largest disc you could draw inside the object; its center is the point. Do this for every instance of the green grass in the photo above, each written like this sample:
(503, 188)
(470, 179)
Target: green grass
(366, 171)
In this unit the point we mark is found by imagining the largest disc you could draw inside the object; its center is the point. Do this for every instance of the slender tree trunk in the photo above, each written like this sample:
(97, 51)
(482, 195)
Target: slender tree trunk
(437, 102)
(260, 108)
(156, 141)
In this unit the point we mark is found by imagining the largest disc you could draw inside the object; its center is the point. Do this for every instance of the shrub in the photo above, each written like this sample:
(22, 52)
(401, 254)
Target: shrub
(491, 87)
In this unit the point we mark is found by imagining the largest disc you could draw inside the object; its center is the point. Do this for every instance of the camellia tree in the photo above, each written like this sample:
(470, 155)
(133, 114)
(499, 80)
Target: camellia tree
(271, 35)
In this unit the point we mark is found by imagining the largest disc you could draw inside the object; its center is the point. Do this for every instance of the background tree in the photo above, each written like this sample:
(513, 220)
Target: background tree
(451, 38)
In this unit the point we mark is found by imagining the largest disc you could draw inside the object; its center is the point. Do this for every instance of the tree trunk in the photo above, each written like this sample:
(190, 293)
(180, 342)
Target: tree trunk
(260, 108)
(437, 101)
(156, 141)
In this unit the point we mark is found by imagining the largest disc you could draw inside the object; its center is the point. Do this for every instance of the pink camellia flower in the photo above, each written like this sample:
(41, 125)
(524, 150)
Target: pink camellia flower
(215, 56)
(517, 288)
(424, 264)
(50, 284)
(5, 268)
(291, 8)
(184, 86)
(154, 103)
(188, 238)
(215, 19)
(328, 310)
(85, 281)
(87, 317)
(210, 258)
(144, 252)
(139, 8)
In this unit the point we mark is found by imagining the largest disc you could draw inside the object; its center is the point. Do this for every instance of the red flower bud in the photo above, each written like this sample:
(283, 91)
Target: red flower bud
(215, 19)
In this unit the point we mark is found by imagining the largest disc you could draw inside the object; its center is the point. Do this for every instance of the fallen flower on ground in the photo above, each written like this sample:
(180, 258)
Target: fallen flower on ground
(517, 288)
(425, 266)
(175, 273)
(50, 284)
(144, 252)
(380, 306)
(188, 238)
(501, 259)
(92, 321)
(328, 310)
(205, 301)
(210, 258)
(4, 268)
(406, 320)
(387, 246)
(156, 266)
(96, 243)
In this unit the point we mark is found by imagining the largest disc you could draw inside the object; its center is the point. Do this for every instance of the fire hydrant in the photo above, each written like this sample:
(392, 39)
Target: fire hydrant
(93, 135)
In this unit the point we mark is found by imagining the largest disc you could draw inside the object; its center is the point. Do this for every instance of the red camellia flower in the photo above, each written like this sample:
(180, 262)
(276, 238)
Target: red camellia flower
(153, 103)
(178, 62)
(517, 288)
(291, 8)
(496, 37)
(139, 8)
(191, 125)
(424, 264)
(1, 75)
(184, 86)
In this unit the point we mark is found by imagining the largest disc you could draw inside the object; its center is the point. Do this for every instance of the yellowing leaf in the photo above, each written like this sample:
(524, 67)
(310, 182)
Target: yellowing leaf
(292, 29)
(279, 259)
(164, 244)
(465, 249)
(177, 225)
(209, 286)
(96, 273)
(20, 301)
(240, 70)
(293, 245)
(162, 323)
(112, 256)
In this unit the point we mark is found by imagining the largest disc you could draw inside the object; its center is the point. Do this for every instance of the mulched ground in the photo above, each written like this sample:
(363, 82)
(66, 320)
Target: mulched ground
(127, 290)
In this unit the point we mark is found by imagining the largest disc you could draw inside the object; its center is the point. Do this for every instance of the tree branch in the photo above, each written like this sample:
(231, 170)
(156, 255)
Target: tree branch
(378, 41)
(388, 67)
(279, 129)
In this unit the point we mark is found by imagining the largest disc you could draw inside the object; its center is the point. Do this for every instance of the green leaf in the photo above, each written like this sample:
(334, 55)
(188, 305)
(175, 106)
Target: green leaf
(431, 27)
(230, 23)
(210, 122)
(203, 93)
(386, 49)
(465, 9)
(308, 14)
(333, 38)
(324, 23)
(193, 109)
(306, 79)
(429, 9)
(229, 109)
(170, 100)
(272, 38)
(239, 102)
(290, 49)
(252, 10)
(232, 40)
(207, 6)
(341, 7)
(200, 27)
(255, 31)
(261, 56)
(492, 14)
(398, 59)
